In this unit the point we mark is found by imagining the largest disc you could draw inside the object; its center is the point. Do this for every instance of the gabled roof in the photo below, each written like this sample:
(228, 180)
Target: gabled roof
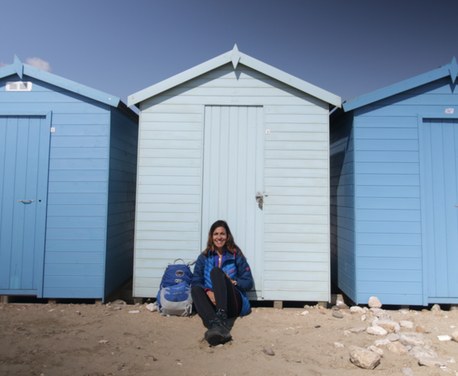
(450, 69)
(235, 57)
(20, 69)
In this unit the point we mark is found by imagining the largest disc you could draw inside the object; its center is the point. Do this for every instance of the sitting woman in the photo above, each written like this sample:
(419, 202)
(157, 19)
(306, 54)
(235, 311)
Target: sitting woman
(220, 281)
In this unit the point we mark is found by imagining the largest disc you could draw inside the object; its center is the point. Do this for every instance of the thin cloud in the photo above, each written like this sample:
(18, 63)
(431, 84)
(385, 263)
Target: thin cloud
(39, 63)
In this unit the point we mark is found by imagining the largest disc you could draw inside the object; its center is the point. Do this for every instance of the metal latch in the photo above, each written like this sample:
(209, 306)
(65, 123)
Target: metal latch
(25, 201)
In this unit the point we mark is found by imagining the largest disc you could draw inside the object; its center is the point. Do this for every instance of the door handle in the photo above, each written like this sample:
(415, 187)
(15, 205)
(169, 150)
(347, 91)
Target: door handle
(260, 199)
(25, 202)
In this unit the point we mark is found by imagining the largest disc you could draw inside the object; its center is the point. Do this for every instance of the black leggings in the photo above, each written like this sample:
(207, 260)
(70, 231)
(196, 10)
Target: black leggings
(226, 296)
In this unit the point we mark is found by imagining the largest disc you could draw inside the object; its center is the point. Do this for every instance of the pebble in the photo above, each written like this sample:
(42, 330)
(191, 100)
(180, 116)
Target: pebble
(356, 309)
(406, 324)
(455, 336)
(151, 307)
(268, 351)
(376, 330)
(389, 325)
(376, 350)
(337, 314)
(413, 339)
(397, 348)
(374, 302)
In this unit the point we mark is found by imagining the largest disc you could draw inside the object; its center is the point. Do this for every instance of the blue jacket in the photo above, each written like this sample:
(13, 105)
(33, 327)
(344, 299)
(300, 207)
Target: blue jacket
(234, 265)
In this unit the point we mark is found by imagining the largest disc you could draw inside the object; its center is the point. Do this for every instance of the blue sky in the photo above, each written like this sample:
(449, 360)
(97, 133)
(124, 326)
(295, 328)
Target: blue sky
(347, 47)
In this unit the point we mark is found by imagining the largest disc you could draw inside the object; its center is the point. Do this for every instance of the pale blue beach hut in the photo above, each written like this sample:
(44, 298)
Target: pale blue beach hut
(67, 191)
(236, 139)
(394, 188)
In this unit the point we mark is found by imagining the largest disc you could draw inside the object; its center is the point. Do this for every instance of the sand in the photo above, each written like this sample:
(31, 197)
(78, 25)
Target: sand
(128, 339)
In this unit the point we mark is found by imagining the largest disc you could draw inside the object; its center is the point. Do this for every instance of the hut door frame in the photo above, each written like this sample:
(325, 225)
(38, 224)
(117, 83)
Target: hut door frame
(25, 161)
(233, 179)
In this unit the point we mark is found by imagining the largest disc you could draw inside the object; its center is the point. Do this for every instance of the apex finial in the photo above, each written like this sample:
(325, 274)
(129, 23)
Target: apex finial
(19, 67)
(235, 56)
(453, 70)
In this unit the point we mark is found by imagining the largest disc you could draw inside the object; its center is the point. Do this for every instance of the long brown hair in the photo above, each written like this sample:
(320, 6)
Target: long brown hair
(230, 243)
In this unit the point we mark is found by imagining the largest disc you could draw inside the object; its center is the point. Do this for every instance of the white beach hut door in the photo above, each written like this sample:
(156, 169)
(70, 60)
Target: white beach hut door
(233, 178)
(24, 161)
(440, 207)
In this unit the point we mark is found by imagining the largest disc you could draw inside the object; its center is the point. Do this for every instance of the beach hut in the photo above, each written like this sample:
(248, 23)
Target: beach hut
(394, 189)
(67, 193)
(236, 139)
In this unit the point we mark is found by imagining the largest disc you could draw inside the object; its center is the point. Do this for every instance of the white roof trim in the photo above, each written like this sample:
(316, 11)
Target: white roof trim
(235, 57)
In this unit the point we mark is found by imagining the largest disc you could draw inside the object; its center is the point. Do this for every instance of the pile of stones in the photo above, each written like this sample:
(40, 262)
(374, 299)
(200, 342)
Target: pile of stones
(400, 337)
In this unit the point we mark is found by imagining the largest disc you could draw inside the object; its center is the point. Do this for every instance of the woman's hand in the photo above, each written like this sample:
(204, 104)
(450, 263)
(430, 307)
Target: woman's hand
(211, 296)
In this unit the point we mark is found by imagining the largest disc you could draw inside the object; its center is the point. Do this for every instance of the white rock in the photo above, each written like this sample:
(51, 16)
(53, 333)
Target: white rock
(392, 337)
(358, 329)
(379, 313)
(376, 330)
(134, 311)
(431, 362)
(364, 358)
(455, 336)
(151, 307)
(414, 339)
(389, 325)
(356, 309)
(397, 348)
(436, 308)
(305, 313)
(337, 314)
(338, 345)
(421, 352)
(376, 350)
(374, 302)
(382, 342)
(444, 338)
(406, 324)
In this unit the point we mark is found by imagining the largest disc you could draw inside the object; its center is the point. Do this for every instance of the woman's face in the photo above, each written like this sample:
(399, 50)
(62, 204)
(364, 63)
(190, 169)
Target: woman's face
(219, 237)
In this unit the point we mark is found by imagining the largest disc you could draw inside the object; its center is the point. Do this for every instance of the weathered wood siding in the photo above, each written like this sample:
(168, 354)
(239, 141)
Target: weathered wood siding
(296, 179)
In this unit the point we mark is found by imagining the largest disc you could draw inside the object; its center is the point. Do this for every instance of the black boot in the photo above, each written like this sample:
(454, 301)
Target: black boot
(222, 316)
(217, 333)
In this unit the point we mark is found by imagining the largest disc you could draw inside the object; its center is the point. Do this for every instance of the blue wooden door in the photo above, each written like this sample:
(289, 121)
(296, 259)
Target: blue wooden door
(233, 178)
(439, 173)
(24, 161)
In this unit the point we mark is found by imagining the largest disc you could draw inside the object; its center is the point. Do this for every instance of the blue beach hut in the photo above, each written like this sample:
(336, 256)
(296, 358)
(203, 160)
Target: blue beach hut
(67, 191)
(237, 139)
(394, 192)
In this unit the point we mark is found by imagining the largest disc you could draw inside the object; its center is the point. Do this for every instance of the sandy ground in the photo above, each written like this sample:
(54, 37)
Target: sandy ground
(127, 339)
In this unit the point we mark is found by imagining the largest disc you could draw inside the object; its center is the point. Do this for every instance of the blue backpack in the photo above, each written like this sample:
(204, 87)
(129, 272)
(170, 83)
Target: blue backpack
(174, 295)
